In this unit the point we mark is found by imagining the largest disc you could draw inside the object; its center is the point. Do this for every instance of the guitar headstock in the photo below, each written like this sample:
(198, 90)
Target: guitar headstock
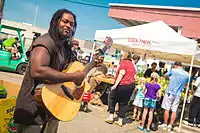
(99, 54)
(108, 42)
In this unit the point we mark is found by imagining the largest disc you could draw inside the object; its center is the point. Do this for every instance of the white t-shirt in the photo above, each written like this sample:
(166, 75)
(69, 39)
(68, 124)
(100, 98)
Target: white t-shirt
(135, 67)
(197, 84)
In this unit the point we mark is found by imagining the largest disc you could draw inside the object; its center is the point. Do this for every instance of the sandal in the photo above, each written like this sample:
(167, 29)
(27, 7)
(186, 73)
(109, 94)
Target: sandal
(133, 118)
(148, 130)
(137, 119)
(140, 128)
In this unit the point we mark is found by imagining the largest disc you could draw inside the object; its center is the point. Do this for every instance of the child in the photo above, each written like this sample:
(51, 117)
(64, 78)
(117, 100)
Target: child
(138, 102)
(151, 92)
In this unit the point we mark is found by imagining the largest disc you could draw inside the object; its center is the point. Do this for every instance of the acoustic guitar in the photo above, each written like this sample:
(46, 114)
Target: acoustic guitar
(64, 100)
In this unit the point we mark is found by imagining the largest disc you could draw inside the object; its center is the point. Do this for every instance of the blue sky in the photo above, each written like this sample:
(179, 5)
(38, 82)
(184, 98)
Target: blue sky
(89, 18)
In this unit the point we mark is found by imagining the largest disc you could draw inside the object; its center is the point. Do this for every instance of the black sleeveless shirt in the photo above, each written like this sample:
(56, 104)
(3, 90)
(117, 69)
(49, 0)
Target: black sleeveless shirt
(27, 111)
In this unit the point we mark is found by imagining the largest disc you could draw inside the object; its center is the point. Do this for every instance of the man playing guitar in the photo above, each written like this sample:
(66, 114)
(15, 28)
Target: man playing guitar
(48, 56)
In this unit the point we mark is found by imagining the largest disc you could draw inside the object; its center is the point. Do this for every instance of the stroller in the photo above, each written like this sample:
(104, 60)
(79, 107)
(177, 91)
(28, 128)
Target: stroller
(158, 115)
(85, 100)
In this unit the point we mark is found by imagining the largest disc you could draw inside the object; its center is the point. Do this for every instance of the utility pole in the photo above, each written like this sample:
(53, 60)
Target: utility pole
(36, 12)
(1, 9)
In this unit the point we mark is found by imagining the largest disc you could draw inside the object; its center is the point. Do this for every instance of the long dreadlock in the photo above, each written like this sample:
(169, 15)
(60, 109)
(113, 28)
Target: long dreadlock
(61, 43)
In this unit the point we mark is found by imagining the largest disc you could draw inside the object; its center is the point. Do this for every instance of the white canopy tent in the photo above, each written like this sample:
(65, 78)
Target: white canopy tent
(156, 39)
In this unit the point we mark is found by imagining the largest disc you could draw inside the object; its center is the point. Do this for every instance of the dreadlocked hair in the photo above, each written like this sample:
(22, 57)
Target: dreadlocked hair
(65, 43)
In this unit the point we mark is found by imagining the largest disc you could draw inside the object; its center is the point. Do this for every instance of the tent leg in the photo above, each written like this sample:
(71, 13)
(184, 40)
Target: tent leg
(93, 48)
(145, 59)
(186, 93)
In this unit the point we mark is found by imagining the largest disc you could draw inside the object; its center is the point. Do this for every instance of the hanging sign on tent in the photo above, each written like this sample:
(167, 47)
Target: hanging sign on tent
(139, 41)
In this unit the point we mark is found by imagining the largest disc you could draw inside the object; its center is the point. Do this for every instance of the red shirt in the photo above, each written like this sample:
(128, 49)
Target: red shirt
(130, 72)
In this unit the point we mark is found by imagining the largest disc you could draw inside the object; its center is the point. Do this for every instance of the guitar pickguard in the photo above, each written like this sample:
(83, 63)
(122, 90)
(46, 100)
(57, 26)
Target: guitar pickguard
(78, 93)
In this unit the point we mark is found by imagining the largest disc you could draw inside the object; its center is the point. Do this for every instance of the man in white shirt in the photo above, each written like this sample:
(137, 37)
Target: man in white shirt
(194, 112)
(135, 60)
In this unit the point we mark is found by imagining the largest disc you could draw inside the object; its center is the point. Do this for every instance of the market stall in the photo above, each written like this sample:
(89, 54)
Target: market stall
(156, 39)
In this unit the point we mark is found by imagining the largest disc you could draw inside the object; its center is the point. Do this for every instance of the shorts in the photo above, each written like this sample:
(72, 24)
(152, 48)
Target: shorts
(150, 103)
(138, 102)
(171, 102)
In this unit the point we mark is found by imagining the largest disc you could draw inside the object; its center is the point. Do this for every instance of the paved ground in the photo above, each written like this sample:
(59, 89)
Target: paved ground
(92, 122)
(11, 77)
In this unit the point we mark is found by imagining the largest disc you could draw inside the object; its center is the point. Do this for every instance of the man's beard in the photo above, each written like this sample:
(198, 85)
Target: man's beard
(64, 41)
(63, 35)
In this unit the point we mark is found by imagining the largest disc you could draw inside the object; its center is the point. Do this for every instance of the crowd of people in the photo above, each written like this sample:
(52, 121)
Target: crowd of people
(148, 93)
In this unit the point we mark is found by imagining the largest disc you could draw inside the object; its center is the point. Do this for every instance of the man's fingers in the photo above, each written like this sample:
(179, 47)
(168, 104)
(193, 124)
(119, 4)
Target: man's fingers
(99, 60)
(108, 39)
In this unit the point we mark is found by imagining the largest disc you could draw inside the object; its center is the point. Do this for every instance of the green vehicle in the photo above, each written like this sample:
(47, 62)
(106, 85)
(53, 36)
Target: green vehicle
(6, 61)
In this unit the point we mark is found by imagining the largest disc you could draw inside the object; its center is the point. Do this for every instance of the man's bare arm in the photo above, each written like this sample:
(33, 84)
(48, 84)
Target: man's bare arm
(40, 69)
(166, 76)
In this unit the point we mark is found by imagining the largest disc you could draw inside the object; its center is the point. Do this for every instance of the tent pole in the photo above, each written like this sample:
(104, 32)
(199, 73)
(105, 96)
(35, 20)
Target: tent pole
(186, 93)
(93, 48)
(145, 59)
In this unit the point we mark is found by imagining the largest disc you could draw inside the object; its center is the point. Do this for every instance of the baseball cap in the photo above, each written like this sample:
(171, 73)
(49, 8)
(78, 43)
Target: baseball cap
(75, 42)
(178, 63)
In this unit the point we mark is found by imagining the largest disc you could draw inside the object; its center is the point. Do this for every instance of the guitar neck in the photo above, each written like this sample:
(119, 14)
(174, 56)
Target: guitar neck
(89, 66)
(92, 64)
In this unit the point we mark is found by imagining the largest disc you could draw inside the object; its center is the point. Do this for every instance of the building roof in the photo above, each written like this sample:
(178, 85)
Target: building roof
(12, 28)
(157, 7)
(182, 19)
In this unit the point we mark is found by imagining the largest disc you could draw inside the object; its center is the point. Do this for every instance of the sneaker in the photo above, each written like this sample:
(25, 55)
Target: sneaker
(185, 122)
(163, 126)
(133, 118)
(198, 125)
(169, 128)
(118, 123)
(191, 124)
(148, 130)
(109, 121)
